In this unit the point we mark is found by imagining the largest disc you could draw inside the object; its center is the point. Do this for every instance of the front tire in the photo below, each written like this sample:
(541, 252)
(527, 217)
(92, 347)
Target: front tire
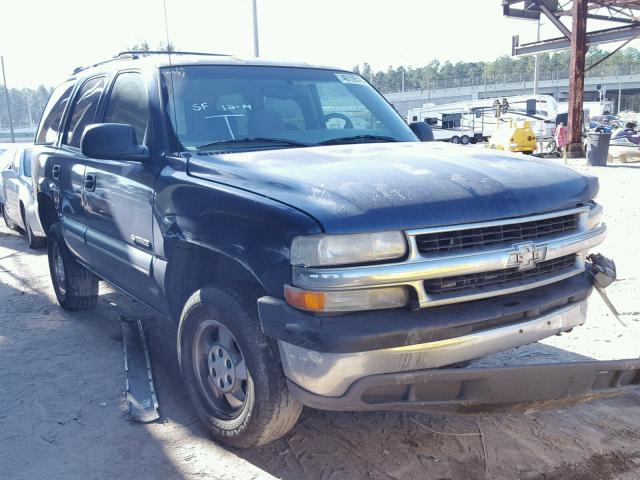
(232, 371)
(76, 288)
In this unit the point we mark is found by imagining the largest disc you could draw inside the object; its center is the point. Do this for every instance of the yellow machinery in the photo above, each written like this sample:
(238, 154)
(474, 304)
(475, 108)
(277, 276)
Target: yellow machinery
(516, 136)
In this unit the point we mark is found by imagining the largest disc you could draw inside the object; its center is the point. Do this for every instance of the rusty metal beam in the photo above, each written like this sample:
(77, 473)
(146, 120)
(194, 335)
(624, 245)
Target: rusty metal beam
(555, 20)
(576, 77)
(598, 37)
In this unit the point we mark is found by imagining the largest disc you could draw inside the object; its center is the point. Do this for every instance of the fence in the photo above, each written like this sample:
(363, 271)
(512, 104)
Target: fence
(521, 77)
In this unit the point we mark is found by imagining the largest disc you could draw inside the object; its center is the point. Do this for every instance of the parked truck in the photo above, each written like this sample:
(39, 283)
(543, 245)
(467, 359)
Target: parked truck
(311, 248)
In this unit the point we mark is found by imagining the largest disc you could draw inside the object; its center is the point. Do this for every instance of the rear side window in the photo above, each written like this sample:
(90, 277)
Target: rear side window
(52, 115)
(128, 103)
(83, 110)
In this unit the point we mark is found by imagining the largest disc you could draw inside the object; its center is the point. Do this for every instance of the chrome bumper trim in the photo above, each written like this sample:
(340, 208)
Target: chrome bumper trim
(331, 374)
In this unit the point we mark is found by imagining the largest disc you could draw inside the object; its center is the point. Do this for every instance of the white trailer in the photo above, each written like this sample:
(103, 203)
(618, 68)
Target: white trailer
(475, 120)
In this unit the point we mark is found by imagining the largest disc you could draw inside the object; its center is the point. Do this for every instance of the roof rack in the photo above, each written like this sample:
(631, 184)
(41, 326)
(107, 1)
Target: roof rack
(164, 52)
(134, 54)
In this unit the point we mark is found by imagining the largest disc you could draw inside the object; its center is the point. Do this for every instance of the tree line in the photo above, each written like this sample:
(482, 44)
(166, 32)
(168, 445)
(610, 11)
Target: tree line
(422, 78)
(27, 104)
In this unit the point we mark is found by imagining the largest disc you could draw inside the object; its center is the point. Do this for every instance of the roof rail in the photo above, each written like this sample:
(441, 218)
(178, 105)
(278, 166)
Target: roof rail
(164, 52)
(134, 54)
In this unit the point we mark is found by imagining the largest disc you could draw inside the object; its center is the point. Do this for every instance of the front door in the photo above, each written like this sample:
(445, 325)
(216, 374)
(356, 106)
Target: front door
(119, 198)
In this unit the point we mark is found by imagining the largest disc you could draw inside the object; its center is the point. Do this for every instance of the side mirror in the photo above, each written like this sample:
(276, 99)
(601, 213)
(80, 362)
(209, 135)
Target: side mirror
(112, 141)
(422, 130)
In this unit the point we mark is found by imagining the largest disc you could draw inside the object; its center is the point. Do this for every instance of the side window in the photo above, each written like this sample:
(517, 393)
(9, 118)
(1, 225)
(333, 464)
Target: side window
(52, 115)
(128, 103)
(83, 111)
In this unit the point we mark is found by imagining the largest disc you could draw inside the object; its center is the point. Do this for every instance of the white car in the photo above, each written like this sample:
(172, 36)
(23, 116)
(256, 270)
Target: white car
(19, 205)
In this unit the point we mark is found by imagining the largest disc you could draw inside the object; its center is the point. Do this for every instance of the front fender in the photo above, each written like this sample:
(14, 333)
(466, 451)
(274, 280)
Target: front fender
(250, 230)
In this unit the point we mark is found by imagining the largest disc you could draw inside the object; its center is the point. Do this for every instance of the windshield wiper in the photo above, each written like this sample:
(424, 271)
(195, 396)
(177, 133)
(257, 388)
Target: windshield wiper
(357, 138)
(253, 140)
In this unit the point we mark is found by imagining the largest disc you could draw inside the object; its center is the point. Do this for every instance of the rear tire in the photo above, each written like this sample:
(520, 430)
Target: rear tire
(76, 288)
(455, 139)
(464, 140)
(253, 405)
(7, 221)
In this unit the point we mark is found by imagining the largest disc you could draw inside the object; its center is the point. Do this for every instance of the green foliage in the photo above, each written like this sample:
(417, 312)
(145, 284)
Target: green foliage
(437, 73)
(143, 46)
(26, 106)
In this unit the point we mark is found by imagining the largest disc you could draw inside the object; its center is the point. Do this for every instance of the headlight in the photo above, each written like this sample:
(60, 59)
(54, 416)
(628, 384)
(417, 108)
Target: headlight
(347, 300)
(330, 250)
(594, 216)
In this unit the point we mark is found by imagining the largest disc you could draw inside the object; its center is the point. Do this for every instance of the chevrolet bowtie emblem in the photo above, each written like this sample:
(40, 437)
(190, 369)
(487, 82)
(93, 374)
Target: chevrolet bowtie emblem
(526, 256)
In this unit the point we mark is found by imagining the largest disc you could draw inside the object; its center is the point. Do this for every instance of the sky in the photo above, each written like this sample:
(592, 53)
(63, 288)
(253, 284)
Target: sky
(42, 41)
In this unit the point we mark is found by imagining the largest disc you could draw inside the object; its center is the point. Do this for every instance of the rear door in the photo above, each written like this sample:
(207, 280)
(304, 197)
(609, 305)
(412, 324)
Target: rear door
(57, 174)
(70, 163)
(119, 197)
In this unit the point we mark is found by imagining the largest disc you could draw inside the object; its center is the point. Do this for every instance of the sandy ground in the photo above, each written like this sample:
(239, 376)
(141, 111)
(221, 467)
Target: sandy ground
(62, 410)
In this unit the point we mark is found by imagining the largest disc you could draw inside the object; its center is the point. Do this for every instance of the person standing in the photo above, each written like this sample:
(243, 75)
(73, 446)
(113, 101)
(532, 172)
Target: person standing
(560, 136)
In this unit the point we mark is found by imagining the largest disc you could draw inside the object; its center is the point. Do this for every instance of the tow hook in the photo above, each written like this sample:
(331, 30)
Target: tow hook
(603, 270)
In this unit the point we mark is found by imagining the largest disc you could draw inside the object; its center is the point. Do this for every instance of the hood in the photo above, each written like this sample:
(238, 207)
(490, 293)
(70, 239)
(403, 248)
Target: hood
(384, 186)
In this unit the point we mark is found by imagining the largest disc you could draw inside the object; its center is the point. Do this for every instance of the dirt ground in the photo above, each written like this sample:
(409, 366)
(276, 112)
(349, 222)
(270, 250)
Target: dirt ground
(62, 409)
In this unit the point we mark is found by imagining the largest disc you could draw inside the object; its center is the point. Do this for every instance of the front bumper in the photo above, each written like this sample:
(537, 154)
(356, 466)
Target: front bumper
(483, 390)
(398, 359)
(331, 374)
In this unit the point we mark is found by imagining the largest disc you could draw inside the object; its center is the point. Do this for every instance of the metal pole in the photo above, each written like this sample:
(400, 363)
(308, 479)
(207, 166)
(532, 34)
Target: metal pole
(576, 78)
(256, 46)
(403, 79)
(619, 95)
(6, 92)
(535, 65)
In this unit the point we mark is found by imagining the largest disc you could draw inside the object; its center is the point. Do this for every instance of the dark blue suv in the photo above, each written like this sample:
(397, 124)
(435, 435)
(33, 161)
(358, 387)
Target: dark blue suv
(312, 249)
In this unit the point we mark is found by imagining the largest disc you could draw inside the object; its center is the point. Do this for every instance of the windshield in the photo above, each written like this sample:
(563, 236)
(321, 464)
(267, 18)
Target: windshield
(248, 107)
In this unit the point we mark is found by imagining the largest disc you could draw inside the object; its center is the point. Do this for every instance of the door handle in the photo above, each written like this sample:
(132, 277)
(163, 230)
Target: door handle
(55, 172)
(90, 182)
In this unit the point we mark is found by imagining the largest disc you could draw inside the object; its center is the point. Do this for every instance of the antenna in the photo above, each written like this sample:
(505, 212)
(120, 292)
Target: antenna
(173, 95)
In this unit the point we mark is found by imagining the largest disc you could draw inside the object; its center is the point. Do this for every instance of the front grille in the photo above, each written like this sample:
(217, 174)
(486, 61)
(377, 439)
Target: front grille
(456, 240)
(496, 277)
